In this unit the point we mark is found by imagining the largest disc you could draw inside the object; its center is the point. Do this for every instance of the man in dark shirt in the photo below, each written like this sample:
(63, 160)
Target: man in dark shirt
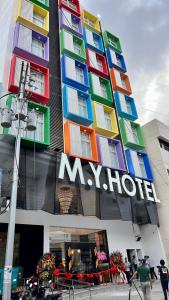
(145, 279)
(163, 272)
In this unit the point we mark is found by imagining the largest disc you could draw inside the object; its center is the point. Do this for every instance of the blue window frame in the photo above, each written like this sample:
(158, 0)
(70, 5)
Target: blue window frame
(116, 60)
(125, 106)
(77, 106)
(138, 164)
(93, 40)
(75, 73)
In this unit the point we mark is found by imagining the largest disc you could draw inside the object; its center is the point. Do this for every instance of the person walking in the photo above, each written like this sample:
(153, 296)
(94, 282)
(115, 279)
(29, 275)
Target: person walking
(163, 272)
(134, 263)
(145, 279)
(128, 269)
(152, 271)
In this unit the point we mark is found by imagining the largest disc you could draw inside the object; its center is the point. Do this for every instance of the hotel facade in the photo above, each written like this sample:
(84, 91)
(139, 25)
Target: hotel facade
(85, 179)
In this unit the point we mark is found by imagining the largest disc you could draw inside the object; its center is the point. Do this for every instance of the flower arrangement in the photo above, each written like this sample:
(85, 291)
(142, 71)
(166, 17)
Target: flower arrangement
(46, 267)
(116, 262)
(101, 256)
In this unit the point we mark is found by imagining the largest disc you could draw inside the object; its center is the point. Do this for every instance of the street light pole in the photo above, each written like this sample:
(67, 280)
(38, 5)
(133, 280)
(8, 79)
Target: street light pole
(12, 214)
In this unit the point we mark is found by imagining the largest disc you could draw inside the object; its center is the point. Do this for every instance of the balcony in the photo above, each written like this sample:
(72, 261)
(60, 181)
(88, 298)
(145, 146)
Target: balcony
(77, 106)
(70, 22)
(33, 16)
(41, 136)
(31, 45)
(71, 5)
(100, 89)
(105, 121)
(72, 45)
(96, 63)
(80, 141)
(75, 73)
(139, 165)
(120, 82)
(110, 153)
(112, 41)
(39, 89)
(132, 135)
(125, 106)
(116, 60)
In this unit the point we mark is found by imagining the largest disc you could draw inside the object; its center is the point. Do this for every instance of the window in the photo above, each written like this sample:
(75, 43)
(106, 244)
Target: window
(123, 83)
(113, 155)
(112, 43)
(38, 48)
(164, 145)
(70, 4)
(128, 107)
(75, 25)
(82, 106)
(142, 166)
(38, 134)
(85, 140)
(37, 81)
(38, 19)
(134, 131)
(88, 21)
(107, 121)
(118, 61)
(77, 48)
(95, 41)
(99, 65)
(168, 172)
(79, 75)
(103, 89)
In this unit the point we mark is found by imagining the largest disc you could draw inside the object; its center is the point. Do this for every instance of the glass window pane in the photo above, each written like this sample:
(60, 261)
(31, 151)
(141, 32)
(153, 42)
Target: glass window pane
(70, 4)
(38, 19)
(37, 84)
(75, 25)
(95, 41)
(103, 90)
(37, 48)
(38, 134)
(77, 48)
(113, 155)
(86, 147)
(111, 42)
(99, 65)
(135, 136)
(82, 103)
(108, 120)
(128, 106)
(142, 166)
(79, 75)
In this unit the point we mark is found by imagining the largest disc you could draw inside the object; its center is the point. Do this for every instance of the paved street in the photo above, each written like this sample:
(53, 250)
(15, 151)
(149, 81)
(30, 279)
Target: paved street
(119, 293)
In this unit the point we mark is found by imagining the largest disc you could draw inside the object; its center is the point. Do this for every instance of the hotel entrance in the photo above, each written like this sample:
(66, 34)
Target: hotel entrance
(76, 249)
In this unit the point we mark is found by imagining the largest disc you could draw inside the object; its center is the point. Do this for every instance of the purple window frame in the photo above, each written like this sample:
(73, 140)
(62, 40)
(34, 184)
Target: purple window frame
(28, 55)
(64, 23)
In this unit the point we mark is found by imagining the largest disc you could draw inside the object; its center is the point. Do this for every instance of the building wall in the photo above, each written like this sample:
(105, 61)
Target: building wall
(159, 159)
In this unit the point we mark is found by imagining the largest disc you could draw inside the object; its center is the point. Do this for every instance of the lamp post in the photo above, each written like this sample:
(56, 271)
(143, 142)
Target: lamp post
(8, 116)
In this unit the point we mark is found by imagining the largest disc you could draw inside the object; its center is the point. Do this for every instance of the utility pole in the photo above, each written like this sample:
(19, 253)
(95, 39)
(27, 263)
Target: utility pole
(21, 99)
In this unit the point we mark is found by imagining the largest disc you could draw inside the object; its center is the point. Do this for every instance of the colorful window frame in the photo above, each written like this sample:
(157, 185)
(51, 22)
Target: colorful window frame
(74, 11)
(67, 40)
(69, 66)
(93, 40)
(13, 86)
(46, 110)
(91, 21)
(112, 41)
(26, 17)
(131, 139)
(116, 60)
(120, 81)
(103, 151)
(95, 89)
(121, 106)
(26, 37)
(70, 101)
(43, 3)
(133, 164)
(99, 122)
(71, 141)
(66, 21)
(92, 58)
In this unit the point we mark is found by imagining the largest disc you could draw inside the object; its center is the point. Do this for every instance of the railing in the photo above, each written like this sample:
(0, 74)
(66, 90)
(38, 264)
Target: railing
(73, 285)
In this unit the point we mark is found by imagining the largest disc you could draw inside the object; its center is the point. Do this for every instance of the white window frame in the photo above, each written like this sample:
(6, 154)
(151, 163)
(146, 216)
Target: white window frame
(70, 4)
(113, 44)
(82, 106)
(38, 83)
(95, 42)
(79, 75)
(135, 135)
(39, 47)
(38, 134)
(99, 64)
(75, 25)
(38, 19)
(113, 155)
(103, 89)
(86, 144)
(88, 21)
(77, 48)
(142, 166)
(108, 122)
(128, 106)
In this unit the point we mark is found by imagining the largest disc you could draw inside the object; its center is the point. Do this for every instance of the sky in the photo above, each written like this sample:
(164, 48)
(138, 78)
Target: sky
(143, 29)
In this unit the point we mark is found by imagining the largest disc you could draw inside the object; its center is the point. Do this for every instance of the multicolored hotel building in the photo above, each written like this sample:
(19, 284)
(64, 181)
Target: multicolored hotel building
(81, 91)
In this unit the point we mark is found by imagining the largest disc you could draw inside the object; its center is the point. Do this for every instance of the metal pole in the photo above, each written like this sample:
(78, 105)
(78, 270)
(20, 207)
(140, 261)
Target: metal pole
(11, 226)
